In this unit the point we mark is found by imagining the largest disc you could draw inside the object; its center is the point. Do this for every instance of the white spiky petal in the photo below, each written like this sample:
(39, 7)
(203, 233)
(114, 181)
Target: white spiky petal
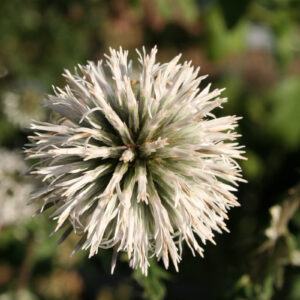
(137, 164)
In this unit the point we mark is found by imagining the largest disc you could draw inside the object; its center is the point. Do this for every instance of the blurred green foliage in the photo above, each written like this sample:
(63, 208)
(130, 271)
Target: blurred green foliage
(251, 47)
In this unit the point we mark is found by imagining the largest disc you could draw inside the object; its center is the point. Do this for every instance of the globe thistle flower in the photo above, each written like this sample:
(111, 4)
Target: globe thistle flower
(14, 190)
(139, 165)
(23, 103)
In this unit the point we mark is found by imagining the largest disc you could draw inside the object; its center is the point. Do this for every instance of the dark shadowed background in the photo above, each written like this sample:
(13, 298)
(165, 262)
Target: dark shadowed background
(252, 48)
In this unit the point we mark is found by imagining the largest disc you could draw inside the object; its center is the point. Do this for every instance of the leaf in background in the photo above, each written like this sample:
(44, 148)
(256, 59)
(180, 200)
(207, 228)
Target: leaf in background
(222, 42)
(288, 42)
(283, 121)
(163, 7)
(7, 132)
(294, 293)
(170, 9)
(280, 218)
(188, 9)
(233, 10)
(253, 167)
(153, 284)
(267, 267)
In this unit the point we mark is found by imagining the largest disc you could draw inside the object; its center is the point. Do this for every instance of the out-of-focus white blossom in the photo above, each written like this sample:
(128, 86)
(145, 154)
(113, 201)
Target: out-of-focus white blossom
(14, 190)
(139, 165)
(260, 37)
(23, 104)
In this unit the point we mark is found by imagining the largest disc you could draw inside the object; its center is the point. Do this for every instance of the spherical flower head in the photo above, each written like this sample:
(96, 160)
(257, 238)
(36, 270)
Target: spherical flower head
(139, 165)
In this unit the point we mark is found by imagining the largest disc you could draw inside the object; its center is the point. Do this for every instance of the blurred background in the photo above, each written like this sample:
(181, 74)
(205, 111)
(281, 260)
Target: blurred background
(251, 47)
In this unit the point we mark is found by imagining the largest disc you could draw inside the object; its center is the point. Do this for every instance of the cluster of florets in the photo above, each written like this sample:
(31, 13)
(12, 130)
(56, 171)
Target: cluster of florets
(137, 164)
